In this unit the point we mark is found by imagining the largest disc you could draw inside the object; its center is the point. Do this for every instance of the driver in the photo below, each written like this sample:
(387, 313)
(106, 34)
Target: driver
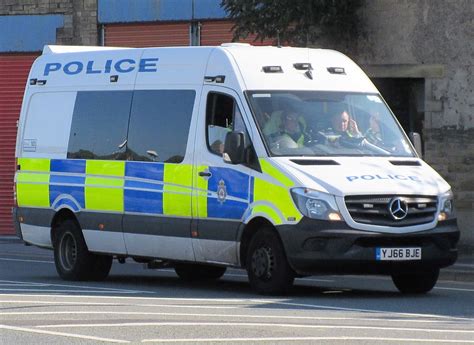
(293, 128)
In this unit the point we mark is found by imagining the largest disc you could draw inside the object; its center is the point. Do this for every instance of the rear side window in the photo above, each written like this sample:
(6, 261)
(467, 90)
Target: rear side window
(99, 125)
(159, 125)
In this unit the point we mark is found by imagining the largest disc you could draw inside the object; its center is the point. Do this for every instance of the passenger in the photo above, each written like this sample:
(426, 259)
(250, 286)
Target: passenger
(373, 134)
(343, 123)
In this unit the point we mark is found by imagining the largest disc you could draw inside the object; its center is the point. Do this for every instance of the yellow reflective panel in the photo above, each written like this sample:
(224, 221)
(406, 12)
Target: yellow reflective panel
(200, 206)
(105, 193)
(177, 187)
(278, 196)
(268, 168)
(34, 164)
(108, 168)
(269, 212)
(32, 189)
(104, 198)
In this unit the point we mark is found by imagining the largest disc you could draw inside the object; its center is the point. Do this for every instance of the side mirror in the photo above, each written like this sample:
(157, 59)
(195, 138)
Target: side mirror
(415, 139)
(234, 148)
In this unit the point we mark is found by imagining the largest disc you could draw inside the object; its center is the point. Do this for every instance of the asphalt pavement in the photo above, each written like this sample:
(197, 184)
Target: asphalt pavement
(135, 305)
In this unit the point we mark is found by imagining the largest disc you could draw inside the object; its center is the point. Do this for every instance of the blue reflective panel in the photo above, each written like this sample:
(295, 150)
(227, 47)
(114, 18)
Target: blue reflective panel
(77, 193)
(67, 202)
(236, 183)
(68, 165)
(143, 202)
(229, 209)
(149, 171)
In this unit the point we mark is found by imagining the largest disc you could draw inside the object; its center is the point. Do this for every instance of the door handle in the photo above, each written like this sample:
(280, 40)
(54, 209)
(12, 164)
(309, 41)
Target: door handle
(205, 173)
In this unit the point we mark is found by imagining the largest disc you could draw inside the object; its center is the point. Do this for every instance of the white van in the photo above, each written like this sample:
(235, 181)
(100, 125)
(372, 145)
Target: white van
(284, 161)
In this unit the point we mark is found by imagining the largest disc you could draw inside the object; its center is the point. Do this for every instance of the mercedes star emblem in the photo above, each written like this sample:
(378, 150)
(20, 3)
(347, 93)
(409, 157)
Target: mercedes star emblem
(398, 208)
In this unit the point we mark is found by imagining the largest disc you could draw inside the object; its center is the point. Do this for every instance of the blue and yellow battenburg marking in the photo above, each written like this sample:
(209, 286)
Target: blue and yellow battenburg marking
(154, 189)
(134, 187)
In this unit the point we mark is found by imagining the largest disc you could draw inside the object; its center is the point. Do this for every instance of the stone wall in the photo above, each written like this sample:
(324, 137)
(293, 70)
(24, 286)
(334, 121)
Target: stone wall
(426, 33)
(80, 17)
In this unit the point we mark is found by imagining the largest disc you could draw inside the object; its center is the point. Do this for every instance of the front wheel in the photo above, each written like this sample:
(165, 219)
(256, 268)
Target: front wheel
(72, 258)
(415, 282)
(267, 267)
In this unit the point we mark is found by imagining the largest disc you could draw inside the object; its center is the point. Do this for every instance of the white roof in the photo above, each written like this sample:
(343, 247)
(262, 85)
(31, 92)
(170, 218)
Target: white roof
(242, 64)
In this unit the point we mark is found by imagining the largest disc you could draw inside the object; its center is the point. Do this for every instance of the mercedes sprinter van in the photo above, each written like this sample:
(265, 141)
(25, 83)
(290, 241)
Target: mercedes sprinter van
(284, 161)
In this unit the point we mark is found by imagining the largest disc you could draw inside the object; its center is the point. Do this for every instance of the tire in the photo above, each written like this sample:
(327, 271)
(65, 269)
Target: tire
(196, 272)
(267, 267)
(416, 282)
(101, 267)
(72, 258)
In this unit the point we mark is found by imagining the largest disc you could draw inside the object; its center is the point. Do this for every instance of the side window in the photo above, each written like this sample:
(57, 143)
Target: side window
(159, 125)
(219, 120)
(223, 116)
(99, 125)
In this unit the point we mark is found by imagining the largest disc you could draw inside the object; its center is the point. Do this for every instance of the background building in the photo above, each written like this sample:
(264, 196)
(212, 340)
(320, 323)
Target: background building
(419, 53)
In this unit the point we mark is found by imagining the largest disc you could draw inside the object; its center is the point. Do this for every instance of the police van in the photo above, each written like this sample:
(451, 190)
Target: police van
(284, 161)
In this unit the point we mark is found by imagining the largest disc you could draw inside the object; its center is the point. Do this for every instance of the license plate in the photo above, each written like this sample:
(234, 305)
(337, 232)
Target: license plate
(398, 254)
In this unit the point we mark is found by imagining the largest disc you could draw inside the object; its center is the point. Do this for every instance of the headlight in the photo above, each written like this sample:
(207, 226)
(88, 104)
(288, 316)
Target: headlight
(447, 207)
(316, 205)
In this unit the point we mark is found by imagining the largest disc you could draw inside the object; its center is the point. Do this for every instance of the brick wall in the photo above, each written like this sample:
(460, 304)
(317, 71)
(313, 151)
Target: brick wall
(80, 17)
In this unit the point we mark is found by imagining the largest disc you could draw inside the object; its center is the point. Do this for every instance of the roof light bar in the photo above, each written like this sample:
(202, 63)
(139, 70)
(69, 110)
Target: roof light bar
(218, 79)
(336, 70)
(303, 66)
(272, 69)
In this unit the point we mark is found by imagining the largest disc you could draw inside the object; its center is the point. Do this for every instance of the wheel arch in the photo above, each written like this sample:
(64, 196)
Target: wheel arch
(249, 230)
(59, 217)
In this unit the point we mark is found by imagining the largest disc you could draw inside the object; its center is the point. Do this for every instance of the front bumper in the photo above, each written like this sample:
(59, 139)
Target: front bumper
(314, 246)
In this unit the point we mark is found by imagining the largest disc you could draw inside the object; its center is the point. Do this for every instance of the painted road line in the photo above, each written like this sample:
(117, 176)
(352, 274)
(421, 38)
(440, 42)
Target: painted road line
(68, 291)
(240, 316)
(69, 335)
(204, 300)
(116, 304)
(25, 260)
(247, 302)
(454, 289)
(363, 310)
(288, 339)
(78, 286)
(252, 324)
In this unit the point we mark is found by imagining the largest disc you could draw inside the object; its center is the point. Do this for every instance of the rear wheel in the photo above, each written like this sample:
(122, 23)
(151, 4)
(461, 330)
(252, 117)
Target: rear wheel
(193, 272)
(267, 267)
(72, 258)
(415, 282)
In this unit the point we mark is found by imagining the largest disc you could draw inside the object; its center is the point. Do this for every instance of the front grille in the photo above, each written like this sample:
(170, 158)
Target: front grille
(374, 209)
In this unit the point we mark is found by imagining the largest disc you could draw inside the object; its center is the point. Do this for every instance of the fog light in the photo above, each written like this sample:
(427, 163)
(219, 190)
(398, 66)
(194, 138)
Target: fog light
(442, 216)
(334, 216)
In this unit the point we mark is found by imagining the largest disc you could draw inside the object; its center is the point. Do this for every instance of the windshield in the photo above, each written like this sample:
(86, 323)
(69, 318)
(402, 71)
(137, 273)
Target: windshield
(316, 123)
